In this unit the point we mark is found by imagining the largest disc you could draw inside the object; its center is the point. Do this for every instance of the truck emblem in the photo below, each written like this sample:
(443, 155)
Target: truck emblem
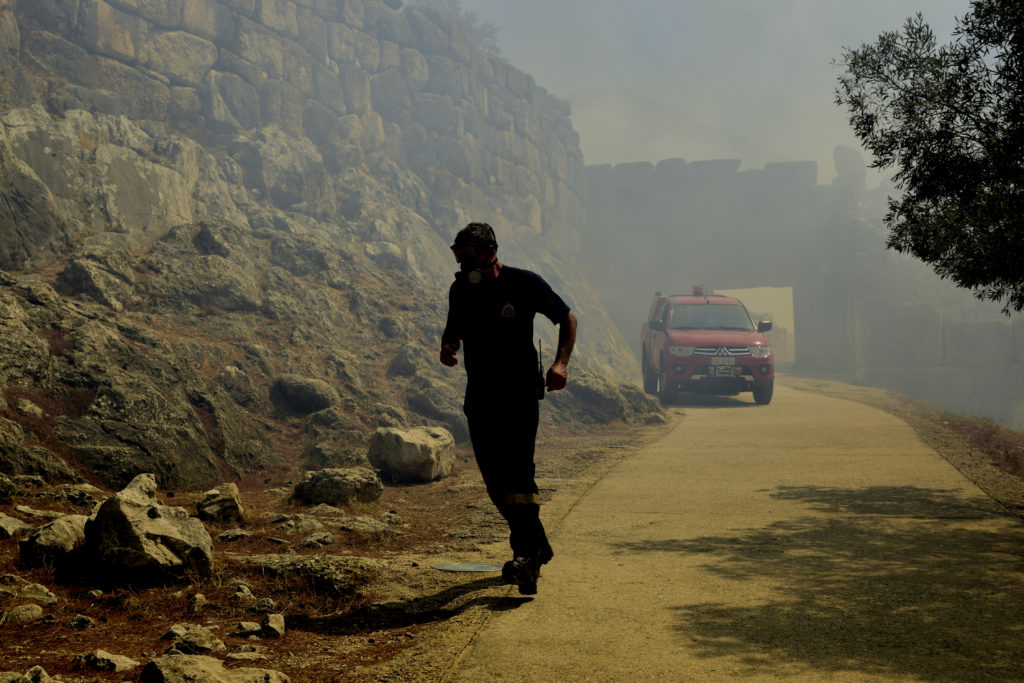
(721, 351)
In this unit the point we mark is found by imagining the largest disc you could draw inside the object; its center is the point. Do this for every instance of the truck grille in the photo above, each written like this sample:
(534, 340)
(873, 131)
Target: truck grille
(721, 351)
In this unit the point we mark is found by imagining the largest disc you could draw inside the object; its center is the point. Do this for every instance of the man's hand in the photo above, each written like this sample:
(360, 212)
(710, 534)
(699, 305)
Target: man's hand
(557, 376)
(448, 352)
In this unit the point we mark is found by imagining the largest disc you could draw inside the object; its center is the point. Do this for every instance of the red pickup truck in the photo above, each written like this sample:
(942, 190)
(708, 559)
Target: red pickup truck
(708, 344)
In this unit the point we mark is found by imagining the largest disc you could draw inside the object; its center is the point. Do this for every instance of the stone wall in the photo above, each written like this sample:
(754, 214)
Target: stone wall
(356, 77)
(862, 313)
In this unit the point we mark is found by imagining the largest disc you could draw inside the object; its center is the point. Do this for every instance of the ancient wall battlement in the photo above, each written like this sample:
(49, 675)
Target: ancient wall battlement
(862, 313)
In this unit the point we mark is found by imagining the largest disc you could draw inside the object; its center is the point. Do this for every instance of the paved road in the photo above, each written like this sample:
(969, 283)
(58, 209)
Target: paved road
(812, 539)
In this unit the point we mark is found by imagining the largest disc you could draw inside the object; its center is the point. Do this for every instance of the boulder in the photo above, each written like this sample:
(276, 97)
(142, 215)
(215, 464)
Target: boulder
(303, 394)
(21, 614)
(191, 639)
(338, 486)
(132, 536)
(101, 660)
(272, 626)
(178, 668)
(415, 455)
(366, 527)
(221, 504)
(52, 543)
(19, 588)
(11, 527)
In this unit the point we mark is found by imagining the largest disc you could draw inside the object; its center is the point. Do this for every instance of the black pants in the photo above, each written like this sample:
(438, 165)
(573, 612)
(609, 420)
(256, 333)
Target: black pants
(503, 430)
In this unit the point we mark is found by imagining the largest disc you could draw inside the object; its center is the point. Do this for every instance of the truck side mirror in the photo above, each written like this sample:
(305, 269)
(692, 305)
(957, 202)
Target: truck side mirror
(764, 325)
(657, 326)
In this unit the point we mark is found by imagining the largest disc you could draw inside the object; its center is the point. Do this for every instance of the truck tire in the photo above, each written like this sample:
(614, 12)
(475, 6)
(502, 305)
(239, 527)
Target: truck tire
(666, 392)
(650, 378)
(763, 392)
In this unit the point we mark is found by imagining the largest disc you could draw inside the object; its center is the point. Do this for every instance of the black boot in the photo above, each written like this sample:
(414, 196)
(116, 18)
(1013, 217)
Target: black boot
(530, 547)
(524, 572)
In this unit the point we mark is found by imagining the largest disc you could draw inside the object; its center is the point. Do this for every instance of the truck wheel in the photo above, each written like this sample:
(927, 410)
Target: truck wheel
(666, 392)
(650, 378)
(763, 392)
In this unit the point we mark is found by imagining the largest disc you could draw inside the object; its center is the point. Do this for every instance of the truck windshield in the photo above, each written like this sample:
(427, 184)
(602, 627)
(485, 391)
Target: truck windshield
(709, 317)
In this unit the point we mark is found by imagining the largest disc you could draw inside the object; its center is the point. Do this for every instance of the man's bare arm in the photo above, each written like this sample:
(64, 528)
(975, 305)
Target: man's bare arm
(558, 374)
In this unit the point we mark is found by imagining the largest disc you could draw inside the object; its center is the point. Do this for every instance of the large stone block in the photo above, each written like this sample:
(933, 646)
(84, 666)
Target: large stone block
(355, 83)
(414, 69)
(437, 114)
(448, 77)
(298, 67)
(313, 36)
(281, 105)
(109, 31)
(280, 16)
(521, 84)
(390, 56)
(184, 58)
(210, 19)
(427, 36)
(230, 62)
(164, 13)
(327, 89)
(351, 12)
(341, 43)
(367, 51)
(231, 104)
(256, 44)
(56, 16)
(390, 95)
(387, 23)
(978, 342)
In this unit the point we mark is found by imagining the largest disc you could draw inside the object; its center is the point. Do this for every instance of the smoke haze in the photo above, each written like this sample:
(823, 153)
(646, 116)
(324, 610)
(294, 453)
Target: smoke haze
(655, 79)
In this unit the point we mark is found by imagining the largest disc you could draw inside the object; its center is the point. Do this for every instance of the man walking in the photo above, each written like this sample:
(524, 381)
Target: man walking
(491, 308)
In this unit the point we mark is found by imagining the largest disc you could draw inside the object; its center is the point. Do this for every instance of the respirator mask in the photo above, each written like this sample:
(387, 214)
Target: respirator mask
(468, 266)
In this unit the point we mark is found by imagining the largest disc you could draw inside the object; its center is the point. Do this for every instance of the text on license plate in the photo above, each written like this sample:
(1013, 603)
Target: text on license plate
(723, 361)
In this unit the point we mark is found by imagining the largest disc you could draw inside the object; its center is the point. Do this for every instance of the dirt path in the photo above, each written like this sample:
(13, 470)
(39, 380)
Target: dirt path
(815, 538)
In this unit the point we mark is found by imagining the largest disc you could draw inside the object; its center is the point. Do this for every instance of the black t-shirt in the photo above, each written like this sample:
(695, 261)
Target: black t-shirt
(494, 320)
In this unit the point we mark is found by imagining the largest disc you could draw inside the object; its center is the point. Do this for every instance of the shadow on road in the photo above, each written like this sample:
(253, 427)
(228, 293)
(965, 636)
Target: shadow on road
(405, 613)
(889, 581)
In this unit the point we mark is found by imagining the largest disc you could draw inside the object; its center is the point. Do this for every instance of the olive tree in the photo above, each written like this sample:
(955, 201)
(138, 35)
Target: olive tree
(948, 120)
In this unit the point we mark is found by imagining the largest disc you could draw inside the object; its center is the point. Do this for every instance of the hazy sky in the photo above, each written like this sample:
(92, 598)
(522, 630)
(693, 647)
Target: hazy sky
(699, 79)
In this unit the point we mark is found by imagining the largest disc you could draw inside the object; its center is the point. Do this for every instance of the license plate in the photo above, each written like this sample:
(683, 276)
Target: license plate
(724, 371)
(723, 361)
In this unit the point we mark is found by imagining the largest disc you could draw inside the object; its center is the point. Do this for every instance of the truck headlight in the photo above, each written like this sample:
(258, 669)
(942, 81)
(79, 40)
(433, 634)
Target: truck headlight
(760, 351)
(681, 350)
